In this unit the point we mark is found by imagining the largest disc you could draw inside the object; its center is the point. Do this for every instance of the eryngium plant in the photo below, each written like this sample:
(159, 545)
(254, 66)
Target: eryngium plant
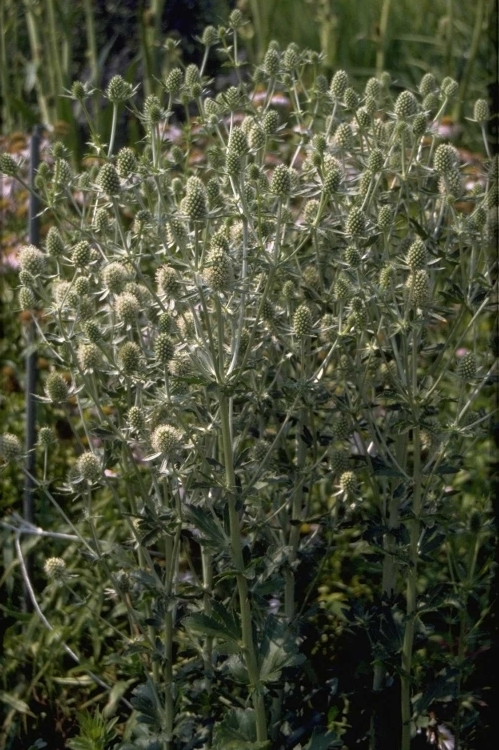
(270, 319)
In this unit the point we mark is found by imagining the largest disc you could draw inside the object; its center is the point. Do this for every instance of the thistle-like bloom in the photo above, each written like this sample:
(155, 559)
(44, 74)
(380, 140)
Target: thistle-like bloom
(166, 439)
(89, 467)
(55, 568)
(10, 447)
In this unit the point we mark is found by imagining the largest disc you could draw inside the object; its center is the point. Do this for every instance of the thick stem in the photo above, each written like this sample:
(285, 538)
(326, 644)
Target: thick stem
(168, 651)
(412, 577)
(242, 584)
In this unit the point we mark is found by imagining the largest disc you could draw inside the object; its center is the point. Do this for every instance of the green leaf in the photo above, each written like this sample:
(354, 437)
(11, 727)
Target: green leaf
(143, 701)
(237, 731)
(115, 694)
(201, 624)
(21, 616)
(323, 740)
(381, 469)
(213, 533)
(227, 618)
(16, 703)
(278, 650)
(237, 669)
(443, 688)
(445, 469)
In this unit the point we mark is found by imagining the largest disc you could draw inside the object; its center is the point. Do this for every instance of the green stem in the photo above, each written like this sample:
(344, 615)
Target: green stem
(242, 584)
(93, 59)
(54, 66)
(412, 576)
(297, 500)
(35, 46)
(449, 37)
(475, 41)
(383, 25)
(113, 131)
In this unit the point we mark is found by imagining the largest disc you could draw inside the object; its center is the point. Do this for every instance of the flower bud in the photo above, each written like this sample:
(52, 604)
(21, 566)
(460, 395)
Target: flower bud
(79, 91)
(376, 160)
(302, 321)
(192, 75)
(481, 111)
(136, 418)
(46, 437)
(119, 90)
(127, 307)
(126, 162)
(449, 87)
(129, 356)
(356, 222)
(344, 136)
(270, 122)
(164, 348)
(272, 62)
(194, 203)
(466, 368)
(115, 276)
(32, 259)
(166, 439)
(174, 81)
(405, 105)
(108, 179)
(168, 282)
(339, 84)
(352, 256)
(27, 298)
(431, 103)
(342, 288)
(418, 285)
(219, 275)
(93, 332)
(373, 88)
(385, 217)
(27, 279)
(291, 57)
(348, 482)
(350, 98)
(419, 125)
(339, 461)
(53, 243)
(427, 85)
(210, 37)
(8, 165)
(281, 181)
(56, 388)
(417, 255)
(89, 467)
(445, 159)
(81, 254)
(342, 427)
(10, 447)
(235, 19)
(55, 568)
(363, 118)
(88, 356)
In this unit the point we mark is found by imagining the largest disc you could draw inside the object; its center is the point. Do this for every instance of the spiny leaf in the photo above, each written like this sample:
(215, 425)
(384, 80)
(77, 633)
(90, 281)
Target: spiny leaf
(237, 731)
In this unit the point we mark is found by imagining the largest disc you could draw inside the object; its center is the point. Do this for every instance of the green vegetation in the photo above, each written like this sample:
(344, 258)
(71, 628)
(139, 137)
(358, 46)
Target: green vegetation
(262, 326)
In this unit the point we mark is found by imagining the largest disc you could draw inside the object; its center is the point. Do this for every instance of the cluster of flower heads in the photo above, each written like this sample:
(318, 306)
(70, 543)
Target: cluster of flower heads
(305, 227)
